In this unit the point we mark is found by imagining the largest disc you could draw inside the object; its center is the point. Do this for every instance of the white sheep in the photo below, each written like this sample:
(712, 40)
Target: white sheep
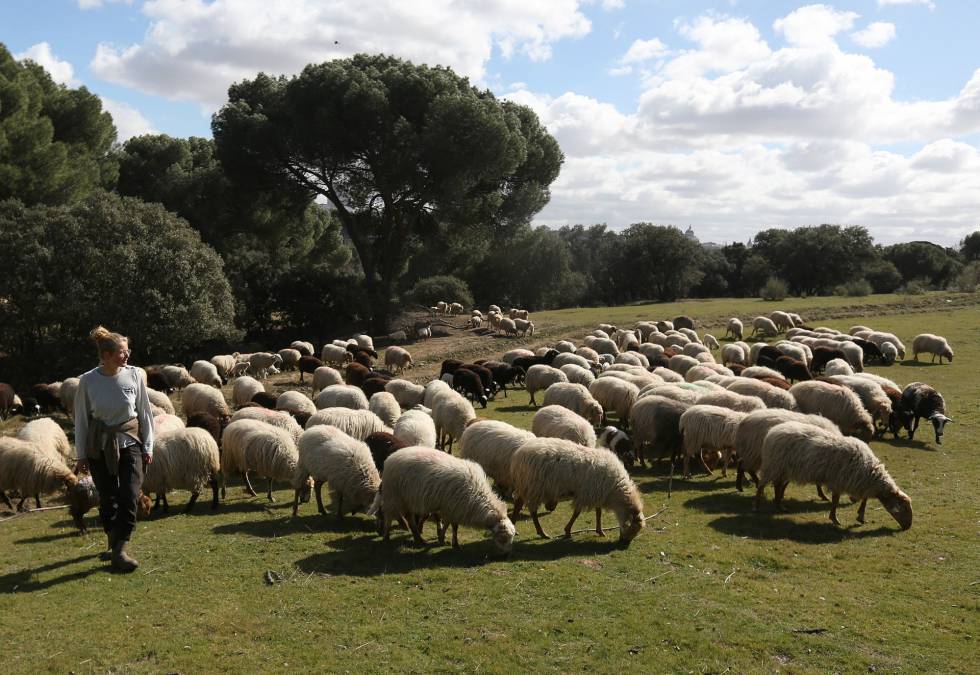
(931, 344)
(681, 363)
(408, 394)
(49, 438)
(327, 455)
(633, 359)
(782, 320)
(416, 427)
(206, 372)
(837, 403)
(492, 444)
(244, 389)
(511, 355)
(685, 393)
(295, 402)
(587, 353)
(555, 421)
(422, 481)
(764, 326)
(762, 371)
(709, 427)
(524, 327)
(451, 414)
(802, 453)
(667, 375)
(203, 398)
(771, 396)
(546, 470)
(575, 397)
(277, 418)
(69, 388)
(872, 395)
(385, 406)
(615, 395)
(23, 467)
(434, 390)
(176, 377)
(184, 459)
(577, 374)
(224, 364)
(734, 328)
(711, 342)
(166, 423)
(837, 367)
(397, 359)
(303, 347)
(335, 355)
(343, 396)
(565, 346)
(880, 337)
(264, 364)
(289, 358)
(731, 400)
(539, 377)
(260, 448)
(889, 352)
(323, 377)
(357, 424)
(157, 399)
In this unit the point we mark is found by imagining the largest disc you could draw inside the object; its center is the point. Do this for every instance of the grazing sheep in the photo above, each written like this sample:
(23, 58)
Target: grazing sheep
(802, 453)
(614, 395)
(265, 399)
(565, 346)
(633, 359)
(335, 355)
(782, 320)
(289, 358)
(889, 353)
(575, 397)
(567, 358)
(837, 367)
(792, 369)
(507, 327)
(323, 377)
(837, 403)
(206, 372)
(165, 423)
(244, 389)
(421, 481)
(416, 427)
(732, 400)
(435, 390)
(408, 394)
(734, 329)
(683, 322)
(540, 377)
(523, 327)
(546, 470)
(223, 363)
(49, 438)
(451, 413)
(880, 338)
(668, 375)
(681, 363)
(295, 402)
(185, 459)
(199, 397)
(492, 444)
(304, 348)
(931, 344)
(711, 342)
(772, 397)
(382, 445)
(277, 418)
(709, 427)
(655, 422)
(176, 377)
(764, 326)
(397, 359)
(555, 421)
(872, 395)
(733, 353)
(762, 371)
(469, 383)
(254, 446)
(510, 356)
(367, 342)
(577, 374)
(309, 364)
(357, 424)
(920, 401)
(264, 364)
(341, 395)
(31, 472)
(327, 455)
(385, 406)
(752, 432)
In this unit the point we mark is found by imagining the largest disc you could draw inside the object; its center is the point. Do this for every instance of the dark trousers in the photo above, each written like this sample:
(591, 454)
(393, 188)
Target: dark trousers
(119, 494)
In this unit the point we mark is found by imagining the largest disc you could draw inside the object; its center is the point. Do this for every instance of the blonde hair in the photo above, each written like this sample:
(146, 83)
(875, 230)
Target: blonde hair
(105, 340)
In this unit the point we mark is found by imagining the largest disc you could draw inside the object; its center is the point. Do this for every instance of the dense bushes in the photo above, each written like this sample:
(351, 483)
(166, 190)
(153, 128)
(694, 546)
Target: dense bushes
(446, 288)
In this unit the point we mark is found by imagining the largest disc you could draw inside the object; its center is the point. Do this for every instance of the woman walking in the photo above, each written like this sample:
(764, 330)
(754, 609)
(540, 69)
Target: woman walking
(114, 439)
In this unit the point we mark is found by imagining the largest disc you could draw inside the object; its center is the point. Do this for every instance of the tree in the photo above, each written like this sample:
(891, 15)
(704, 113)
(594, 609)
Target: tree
(814, 260)
(54, 141)
(970, 247)
(658, 263)
(717, 270)
(112, 260)
(443, 288)
(405, 154)
(922, 260)
(883, 276)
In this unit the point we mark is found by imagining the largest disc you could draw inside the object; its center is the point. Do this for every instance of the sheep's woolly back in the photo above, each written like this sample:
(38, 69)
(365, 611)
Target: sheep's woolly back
(731, 400)
(491, 444)
(30, 472)
(451, 415)
(927, 343)
(433, 390)
(801, 453)
(540, 377)
(772, 397)
(420, 480)
(250, 445)
(224, 363)
(357, 424)
(688, 395)
(184, 459)
(509, 356)
(575, 397)
(204, 398)
(344, 463)
(733, 353)
(551, 469)
(49, 438)
(415, 427)
(323, 377)
(166, 423)
(837, 367)
(709, 427)
(408, 394)
(568, 358)
(655, 420)
(206, 372)
(176, 376)
(681, 363)
(837, 403)
(295, 401)
(615, 395)
(244, 389)
(555, 421)
(69, 388)
(385, 406)
(341, 396)
(762, 371)
(158, 399)
(872, 395)
(397, 357)
(667, 375)
(753, 429)
(883, 381)
(276, 418)
(577, 374)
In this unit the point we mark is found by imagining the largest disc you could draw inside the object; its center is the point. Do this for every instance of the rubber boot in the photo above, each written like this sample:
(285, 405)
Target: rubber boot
(121, 561)
(106, 555)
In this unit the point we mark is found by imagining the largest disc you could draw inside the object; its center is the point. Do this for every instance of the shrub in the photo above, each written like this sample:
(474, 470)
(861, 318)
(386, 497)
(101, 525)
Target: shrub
(774, 289)
(968, 280)
(447, 288)
(855, 288)
(915, 287)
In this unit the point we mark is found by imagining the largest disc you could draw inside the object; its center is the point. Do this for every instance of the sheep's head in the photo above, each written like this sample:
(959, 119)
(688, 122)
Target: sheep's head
(865, 429)
(305, 490)
(503, 535)
(948, 353)
(143, 506)
(939, 422)
(593, 413)
(483, 400)
(630, 524)
(899, 505)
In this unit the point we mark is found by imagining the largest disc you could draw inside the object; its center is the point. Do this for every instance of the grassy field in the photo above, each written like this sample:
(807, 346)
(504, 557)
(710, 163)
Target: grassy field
(709, 586)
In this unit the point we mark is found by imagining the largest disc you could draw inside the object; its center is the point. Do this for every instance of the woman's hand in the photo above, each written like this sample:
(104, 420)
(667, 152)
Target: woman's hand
(81, 465)
(147, 459)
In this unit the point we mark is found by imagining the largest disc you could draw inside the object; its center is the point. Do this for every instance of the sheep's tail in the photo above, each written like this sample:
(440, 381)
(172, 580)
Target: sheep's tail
(375, 507)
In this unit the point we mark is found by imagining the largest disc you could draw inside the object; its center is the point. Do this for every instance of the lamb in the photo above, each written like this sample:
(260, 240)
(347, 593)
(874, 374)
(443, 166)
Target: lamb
(615, 395)
(920, 401)
(889, 353)
(734, 329)
(382, 445)
(49, 438)
(772, 397)
(341, 395)
(335, 355)
(540, 377)
(451, 414)
(555, 421)
(408, 394)
(764, 326)
(837, 403)
(327, 455)
(732, 401)
(880, 338)
(492, 444)
(199, 397)
(752, 432)
(419, 481)
(30, 472)
(801, 453)
(416, 427)
(253, 446)
(277, 418)
(244, 389)
(711, 342)
(575, 397)
(357, 424)
(295, 402)
(837, 367)
(397, 359)
(524, 327)
(185, 459)
(176, 377)
(709, 427)
(931, 344)
(546, 470)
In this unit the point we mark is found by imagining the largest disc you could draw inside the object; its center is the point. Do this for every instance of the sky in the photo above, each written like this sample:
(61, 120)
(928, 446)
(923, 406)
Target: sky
(730, 116)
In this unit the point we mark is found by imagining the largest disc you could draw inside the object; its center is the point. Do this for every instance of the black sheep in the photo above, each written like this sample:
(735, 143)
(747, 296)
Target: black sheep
(308, 364)
(871, 352)
(469, 384)
(265, 399)
(373, 384)
(449, 366)
(920, 401)
(824, 355)
(768, 352)
(382, 444)
(47, 400)
(209, 423)
(504, 374)
(486, 377)
(792, 369)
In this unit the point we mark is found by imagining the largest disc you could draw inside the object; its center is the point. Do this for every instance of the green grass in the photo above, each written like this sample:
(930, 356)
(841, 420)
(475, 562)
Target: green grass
(708, 586)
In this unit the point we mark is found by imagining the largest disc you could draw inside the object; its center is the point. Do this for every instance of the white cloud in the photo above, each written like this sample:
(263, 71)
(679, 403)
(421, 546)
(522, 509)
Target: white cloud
(813, 25)
(60, 71)
(644, 50)
(925, 3)
(128, 120)
(194, 49)
(95, 4)
(877, 34)
(610, 5)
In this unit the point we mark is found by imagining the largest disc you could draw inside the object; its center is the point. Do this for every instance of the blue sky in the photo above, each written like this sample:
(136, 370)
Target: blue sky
(730, 116)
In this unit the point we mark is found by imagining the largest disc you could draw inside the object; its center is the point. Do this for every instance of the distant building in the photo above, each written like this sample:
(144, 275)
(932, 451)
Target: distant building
(689, 233)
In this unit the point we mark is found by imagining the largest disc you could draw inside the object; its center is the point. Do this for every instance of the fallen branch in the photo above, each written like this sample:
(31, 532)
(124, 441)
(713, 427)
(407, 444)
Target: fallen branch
(24, 513)
(658, 576)
(655, 514)
(729, 577)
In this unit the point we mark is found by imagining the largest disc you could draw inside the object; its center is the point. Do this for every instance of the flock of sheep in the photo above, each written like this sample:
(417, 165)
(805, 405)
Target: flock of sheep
(800, 410)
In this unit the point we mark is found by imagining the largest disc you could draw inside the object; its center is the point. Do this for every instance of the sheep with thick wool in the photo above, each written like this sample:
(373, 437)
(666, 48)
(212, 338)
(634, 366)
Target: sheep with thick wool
(772, 397)
(264, 364)
(931, 344)
(781, 320)
(335, 355)
(547, 470)
(244, 389)
(709, 427)
(165, 423)
(614, 395)
(49, 438)
(764, 326)
(685, 392)
(416, 427)
(323, 377)
(837, 403)
(566, 358)
(251, 446)
(655, 423)
(357, 424)
(555, 421)
(879, 338)
(176, 377)
(451, 414)
(734, 328)
(733, 353)
(575, 397)
(435, 390)
(206, 372)
(277, 418)
(328, 455)
(224, 364)
(408, 394)
(184, 459)
(577, 374)
(23, 467)
(397, 359)
(802, 453)
(204, 398)
(732, 400)
(872, 395)
(341, 396)
(295, 402)
(539, 377)
(492, 444)
(422, 481)
(837, 367)
(289, 358)
(385, 406)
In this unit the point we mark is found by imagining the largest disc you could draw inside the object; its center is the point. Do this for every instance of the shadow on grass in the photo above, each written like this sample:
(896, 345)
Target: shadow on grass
(909, 363)
(742, 502)
(765, 525)
(698, 483)
(22, 581)
(286, 525)
(44, 539)
(516, 408)
(913, 444)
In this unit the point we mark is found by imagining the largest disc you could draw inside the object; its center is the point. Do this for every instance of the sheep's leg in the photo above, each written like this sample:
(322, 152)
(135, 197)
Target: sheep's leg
(739, 476)
(833, 508)
(725, 458)
(780, 492)
(860, 518)
(295, 503)
(318, 487)
(575, 514)
(441, 530)
(755, 477)
(914, 427)
(455, 535)
(598, 523)
(537, 525)
(269, 494)
(687, 465)
(248, 485)
(340, 507)
(166, 504)
(20, 504)
(820, 492)
(214, 491)
(518, 503)
(191, 502)
(37, 500)
(415, 528)
(6, 500)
